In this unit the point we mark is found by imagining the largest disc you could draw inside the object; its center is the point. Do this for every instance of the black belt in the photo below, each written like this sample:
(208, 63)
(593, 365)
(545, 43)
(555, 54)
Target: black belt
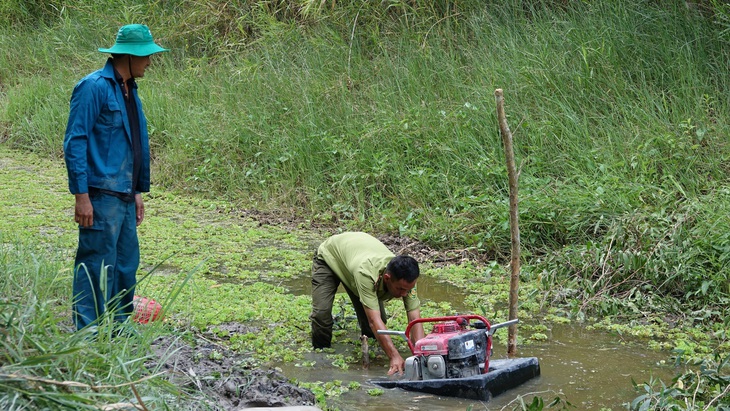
(126, 197)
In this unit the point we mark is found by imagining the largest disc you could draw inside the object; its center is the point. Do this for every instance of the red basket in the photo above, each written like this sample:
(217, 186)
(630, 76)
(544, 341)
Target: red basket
(146, 310)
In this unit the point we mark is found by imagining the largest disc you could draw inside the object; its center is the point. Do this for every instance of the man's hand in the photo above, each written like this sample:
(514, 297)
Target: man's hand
(84, 211)
(139, 205)
(397, 365)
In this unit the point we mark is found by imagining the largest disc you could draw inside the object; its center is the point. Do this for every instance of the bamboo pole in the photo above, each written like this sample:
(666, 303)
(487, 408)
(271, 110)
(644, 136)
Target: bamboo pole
(514, 222)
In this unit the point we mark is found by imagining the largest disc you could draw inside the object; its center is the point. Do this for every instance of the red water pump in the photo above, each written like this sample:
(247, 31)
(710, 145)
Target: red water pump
(456, 347)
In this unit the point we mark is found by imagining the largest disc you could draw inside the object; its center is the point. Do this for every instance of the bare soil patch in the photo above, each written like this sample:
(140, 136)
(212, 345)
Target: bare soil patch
(223, 379)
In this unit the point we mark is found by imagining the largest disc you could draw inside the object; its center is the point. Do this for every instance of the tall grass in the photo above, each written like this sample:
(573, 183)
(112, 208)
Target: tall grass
(45, 365)
(381, 117)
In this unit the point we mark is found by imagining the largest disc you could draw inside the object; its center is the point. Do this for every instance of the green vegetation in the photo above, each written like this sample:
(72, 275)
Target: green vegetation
(706, 388)
(43, 366)
(380, 116)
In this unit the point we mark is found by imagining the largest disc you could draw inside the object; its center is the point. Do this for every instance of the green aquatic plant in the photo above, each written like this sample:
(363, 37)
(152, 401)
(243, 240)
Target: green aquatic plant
(706, 387)
(375, 392)
(327, 390)
(340, 361)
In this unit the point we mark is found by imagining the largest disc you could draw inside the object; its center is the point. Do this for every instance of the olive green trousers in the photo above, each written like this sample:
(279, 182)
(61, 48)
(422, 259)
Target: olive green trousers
(324, 287)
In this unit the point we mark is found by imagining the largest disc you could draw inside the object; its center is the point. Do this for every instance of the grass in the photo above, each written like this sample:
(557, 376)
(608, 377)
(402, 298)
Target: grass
(395, 131)
(383, 120)
(43, 365)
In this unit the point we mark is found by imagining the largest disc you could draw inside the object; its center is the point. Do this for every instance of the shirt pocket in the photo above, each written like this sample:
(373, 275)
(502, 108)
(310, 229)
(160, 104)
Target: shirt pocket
(110, 139)
(111, 115)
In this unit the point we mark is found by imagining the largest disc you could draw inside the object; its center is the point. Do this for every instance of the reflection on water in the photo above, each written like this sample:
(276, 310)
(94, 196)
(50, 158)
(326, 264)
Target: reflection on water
(592, 369)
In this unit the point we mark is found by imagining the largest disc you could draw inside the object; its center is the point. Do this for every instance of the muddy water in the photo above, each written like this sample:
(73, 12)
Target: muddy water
(592, 370)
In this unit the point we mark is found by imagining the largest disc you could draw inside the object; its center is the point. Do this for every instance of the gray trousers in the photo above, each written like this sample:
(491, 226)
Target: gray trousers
(324, 288)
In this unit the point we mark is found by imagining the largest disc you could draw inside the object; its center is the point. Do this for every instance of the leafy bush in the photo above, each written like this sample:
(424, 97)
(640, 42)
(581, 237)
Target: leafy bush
(704, 389)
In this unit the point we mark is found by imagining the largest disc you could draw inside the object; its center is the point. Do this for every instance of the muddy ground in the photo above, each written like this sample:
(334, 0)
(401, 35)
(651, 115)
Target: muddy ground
(222, 379)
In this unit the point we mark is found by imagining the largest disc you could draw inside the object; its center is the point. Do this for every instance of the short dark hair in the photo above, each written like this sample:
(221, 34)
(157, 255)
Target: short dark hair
(403, 267)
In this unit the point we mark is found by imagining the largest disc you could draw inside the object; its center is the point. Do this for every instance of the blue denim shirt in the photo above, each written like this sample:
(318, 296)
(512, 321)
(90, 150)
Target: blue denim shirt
(98, 144)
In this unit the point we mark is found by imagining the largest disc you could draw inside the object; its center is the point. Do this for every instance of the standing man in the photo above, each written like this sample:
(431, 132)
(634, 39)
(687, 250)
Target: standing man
(107, 155)
(371, 275)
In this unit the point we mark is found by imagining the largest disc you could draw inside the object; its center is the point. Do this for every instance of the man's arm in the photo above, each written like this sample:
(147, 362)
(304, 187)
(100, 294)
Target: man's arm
(86, 104)
(397, 364)
(417, 330)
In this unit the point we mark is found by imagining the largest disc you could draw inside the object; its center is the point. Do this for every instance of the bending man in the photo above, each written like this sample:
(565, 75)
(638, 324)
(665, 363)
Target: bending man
(371, 275)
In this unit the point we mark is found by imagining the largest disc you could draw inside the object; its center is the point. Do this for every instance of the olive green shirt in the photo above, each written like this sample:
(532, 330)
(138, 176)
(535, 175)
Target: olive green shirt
(359, 261)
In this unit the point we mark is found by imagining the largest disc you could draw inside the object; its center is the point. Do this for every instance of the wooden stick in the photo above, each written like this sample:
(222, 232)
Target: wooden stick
(513, 219)
(365, 352)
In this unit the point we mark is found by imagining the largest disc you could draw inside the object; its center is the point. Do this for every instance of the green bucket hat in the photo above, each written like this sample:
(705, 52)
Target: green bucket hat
(134, 39)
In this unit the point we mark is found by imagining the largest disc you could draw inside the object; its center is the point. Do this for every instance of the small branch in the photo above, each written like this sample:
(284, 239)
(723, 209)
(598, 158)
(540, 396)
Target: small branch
(365, 352)
(121, 406)
(74, 384)
(697, 388)
(722, 395)
(139, 399)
